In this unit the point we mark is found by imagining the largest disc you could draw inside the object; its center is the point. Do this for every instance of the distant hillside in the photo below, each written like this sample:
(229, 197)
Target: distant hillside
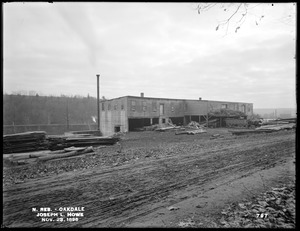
(25, 110)
(272, 113)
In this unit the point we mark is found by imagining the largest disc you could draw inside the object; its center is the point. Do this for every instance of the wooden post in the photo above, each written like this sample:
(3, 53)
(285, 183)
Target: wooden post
(207, 113)
(98, 102)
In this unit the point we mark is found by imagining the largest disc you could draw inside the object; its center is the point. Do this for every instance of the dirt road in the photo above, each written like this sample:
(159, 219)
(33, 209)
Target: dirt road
(153, 172)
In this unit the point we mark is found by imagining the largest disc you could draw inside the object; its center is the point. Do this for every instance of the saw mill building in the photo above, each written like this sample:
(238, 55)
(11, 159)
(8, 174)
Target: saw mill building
(129, 113)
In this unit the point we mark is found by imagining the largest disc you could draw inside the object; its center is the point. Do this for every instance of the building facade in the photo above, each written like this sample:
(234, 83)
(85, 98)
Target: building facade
(129, 113)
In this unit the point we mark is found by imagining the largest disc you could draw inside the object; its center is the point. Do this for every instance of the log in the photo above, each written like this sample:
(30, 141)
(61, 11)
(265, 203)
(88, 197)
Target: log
(73, 153)
(193, 132)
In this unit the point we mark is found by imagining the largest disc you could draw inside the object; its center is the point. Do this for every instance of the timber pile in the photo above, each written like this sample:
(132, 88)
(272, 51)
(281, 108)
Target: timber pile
(277, 127)
(61, 142)
(25, 142)
(84, 133)
(191, 132)
(194, 125)
(250, 131)
(14, 160)
(193, 129)
(167, 126)
(279, 121)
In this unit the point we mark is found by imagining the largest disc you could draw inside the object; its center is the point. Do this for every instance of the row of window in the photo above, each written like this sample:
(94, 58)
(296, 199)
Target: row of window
(225, 106)
(109, 107)
(133, 106)
(154, 107)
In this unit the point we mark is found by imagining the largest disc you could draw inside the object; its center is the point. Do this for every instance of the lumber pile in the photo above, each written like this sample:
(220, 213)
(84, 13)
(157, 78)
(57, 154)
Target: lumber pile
(191, 132)
(277, 127)
(249, 131)
(194, 125)
(279, 121)
(25, 142)
(61, 142)
(15, 160)
(84, 133)
(193, 128)
(67, 154)
(167, 126)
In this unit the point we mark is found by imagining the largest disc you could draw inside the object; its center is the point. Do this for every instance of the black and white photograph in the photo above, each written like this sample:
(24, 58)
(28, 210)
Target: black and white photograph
(149, 114)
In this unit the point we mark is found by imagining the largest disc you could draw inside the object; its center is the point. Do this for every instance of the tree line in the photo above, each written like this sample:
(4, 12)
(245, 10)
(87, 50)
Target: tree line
(27, 109)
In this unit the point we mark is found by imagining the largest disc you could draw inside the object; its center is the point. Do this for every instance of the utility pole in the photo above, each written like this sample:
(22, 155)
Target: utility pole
(98, 101)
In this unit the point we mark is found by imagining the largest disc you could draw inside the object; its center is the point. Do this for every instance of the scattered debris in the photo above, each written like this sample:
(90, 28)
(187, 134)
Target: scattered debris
(194, 125)
(172, 208)
(216, 136)
(272, 209)
(187, 223)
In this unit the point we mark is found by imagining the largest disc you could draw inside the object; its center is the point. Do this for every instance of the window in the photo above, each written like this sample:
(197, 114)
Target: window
(161, 109)
(224, 106)
(115, 106)
(122, 107)
(133, 105)
(144, 106)
(154, 106)
(172, 107)
(117, 128)
(103, 108)
(243, 108)
(108, 107)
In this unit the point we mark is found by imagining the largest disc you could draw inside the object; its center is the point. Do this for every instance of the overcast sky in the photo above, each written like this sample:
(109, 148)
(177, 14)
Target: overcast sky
(165, 50)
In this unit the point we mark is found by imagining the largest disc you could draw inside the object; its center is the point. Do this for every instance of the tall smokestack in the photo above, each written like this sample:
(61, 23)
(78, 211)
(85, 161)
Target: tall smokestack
(98, 102)
(142, 94)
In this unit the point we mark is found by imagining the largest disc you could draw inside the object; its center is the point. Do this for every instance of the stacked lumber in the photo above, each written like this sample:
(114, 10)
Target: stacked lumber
(84, 133)
(14, 160)
(277, 127)
(162, 129)
(193, 128)
(61, 142)
(25, 142)
(194, 125)
(67, 154)
(250, 131)
(167, 126)
(191, 132)
(289, 120)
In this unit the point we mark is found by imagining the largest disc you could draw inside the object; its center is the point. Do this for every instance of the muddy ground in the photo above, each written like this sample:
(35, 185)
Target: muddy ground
(152, 179)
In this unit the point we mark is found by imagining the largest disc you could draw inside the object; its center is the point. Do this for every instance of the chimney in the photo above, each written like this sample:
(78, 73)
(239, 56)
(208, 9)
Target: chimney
(200, 98)
(142, 95)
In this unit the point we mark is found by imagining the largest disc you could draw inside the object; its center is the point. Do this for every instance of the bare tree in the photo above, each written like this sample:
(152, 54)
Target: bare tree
(237, 13)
